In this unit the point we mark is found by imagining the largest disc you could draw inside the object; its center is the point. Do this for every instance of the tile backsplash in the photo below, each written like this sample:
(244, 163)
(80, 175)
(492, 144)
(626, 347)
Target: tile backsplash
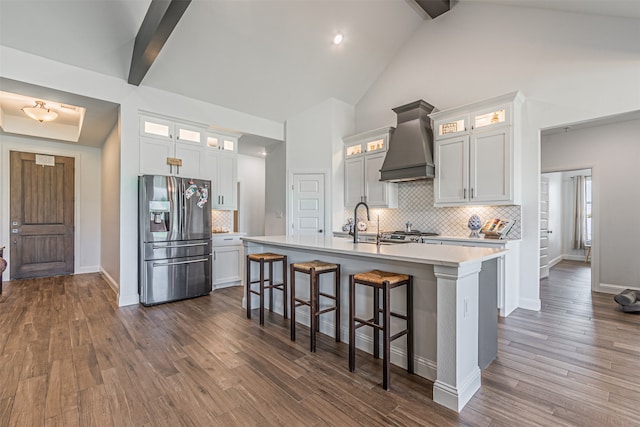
(222, 219)
(415, 205)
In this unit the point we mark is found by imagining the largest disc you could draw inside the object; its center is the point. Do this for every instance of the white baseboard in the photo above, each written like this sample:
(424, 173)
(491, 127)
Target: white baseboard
(87, 269)
(110, 281)
(573, 257)
(125, 300)
(555, 261)
(608, 288)
(530, 304)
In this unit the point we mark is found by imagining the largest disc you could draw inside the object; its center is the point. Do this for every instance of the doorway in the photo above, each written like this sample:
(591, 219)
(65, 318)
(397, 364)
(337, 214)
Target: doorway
(307, 204)
(41, 210)
(569, 229)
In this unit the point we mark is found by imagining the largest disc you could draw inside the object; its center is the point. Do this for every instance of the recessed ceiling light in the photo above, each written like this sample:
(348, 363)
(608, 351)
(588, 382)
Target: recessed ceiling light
(338, 38)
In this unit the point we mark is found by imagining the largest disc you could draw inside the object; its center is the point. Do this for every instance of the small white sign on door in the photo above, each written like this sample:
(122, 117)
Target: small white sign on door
(44, 160)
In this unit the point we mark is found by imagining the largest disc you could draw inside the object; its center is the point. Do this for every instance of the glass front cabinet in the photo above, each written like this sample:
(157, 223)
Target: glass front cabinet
(476, 149)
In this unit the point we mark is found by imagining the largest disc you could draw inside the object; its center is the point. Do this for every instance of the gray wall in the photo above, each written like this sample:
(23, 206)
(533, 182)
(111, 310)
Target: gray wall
(613, 152)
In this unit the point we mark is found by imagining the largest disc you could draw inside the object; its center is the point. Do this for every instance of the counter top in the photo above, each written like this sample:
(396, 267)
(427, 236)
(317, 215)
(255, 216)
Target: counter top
(452, 256)
(227, 233)
(470, 239)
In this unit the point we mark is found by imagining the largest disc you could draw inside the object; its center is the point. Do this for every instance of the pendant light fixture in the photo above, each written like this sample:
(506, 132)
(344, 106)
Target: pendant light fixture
(40, 113)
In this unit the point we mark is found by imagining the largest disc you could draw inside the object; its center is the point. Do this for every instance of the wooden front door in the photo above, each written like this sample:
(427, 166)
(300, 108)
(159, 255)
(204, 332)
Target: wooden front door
(41, 215)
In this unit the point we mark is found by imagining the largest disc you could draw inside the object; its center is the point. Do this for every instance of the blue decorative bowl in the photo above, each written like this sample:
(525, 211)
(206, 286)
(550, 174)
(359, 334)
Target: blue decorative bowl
(474, 225)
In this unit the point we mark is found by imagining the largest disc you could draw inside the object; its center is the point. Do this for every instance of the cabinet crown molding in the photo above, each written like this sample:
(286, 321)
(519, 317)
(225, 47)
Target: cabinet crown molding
(517, 98)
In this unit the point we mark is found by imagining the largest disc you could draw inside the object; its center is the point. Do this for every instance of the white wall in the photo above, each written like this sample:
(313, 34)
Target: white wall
(110, 208)
(251, 206)
(570, 67)
(275, 222)
(28, 68)
(314, 144)
(87, 195)
(613, 152)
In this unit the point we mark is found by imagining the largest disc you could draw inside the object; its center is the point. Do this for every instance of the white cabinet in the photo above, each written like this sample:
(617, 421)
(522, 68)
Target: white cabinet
(476, 150)
(170, 148)
(220, 165)
(364, 154)
(228, 260)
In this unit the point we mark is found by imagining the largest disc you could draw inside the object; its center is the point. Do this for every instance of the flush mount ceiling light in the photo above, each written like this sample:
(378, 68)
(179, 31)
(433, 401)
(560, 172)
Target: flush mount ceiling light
(40, 113)
(338, 38)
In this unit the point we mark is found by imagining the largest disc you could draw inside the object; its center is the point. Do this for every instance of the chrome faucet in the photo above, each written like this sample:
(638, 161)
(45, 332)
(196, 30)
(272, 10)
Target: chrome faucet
(355, 216)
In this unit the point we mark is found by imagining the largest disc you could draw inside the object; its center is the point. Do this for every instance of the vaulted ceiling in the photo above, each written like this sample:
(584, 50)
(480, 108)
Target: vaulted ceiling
(269, 58)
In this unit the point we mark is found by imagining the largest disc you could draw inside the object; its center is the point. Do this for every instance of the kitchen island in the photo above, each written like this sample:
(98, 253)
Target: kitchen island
(447, 302)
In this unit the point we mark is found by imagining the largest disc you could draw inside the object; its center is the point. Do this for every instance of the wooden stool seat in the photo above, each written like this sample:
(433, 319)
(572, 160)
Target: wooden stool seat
(319, 266)
(381, 281)
(378, 277)
(314, 269)
(266, 283)
(267, 256)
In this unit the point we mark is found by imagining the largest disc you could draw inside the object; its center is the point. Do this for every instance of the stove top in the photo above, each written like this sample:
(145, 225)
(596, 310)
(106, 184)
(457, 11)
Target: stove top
(406, 236)
(414, 233)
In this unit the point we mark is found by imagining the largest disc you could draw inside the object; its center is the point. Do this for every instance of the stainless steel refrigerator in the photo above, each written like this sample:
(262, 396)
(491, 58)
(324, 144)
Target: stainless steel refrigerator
(174, 238)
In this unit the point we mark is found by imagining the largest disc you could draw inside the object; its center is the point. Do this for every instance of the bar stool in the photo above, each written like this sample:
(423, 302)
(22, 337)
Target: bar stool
(266, 258)
(314, 269)
(381, 281)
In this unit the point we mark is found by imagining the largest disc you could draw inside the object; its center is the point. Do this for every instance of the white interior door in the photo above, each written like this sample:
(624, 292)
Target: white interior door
(307, 204)
(544, 227)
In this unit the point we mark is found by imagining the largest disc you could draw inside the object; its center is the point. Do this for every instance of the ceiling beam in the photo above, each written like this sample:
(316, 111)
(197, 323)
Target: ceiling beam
(434, 8)
(160, 20)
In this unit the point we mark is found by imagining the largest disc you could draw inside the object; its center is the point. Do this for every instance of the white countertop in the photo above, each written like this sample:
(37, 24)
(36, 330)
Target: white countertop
(412, 252)
(228, 233)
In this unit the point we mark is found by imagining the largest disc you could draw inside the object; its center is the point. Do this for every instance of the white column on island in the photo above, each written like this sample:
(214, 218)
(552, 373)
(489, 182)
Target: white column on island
(458, 374)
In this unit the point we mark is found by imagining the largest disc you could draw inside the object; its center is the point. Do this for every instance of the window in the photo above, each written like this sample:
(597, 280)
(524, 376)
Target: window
(588, 209)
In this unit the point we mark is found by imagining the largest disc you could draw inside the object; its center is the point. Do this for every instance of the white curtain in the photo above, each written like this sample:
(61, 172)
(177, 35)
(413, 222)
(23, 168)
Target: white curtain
(579, 214)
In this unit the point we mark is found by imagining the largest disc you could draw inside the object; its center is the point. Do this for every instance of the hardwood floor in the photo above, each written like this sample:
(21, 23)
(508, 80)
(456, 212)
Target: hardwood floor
(69, 356)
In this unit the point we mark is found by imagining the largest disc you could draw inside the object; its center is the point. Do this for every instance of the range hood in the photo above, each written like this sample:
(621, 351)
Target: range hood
(410, 154)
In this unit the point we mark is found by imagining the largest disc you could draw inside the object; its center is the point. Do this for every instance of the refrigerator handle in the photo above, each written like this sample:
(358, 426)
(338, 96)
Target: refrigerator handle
(162, 264)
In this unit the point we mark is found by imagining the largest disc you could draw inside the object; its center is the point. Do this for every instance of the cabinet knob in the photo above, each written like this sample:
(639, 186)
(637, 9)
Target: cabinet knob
(320, 231)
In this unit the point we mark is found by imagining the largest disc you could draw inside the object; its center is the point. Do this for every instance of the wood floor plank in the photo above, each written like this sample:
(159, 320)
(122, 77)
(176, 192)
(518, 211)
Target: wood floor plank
(69, 356)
